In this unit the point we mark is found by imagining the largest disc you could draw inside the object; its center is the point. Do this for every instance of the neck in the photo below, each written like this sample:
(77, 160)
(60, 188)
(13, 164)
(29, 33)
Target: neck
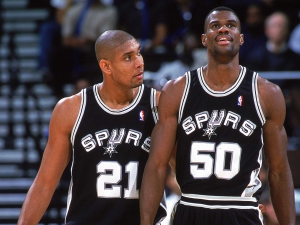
(220, 77)
(116, 98)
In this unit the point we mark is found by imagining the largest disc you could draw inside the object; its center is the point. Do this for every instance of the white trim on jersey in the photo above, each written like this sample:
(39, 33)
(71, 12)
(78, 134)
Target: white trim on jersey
(79, 116)
(153, 105)
(255, 182)
(220, 198)
(118, 111)
(218, 206)
(69, 198)
(259, 111)
(228, 91)
(73, 133)
(184, 95)
(163, 204)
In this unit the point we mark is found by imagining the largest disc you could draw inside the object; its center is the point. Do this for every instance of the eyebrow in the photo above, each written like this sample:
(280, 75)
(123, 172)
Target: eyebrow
(230, 21)
(216, 21)
(129, 53)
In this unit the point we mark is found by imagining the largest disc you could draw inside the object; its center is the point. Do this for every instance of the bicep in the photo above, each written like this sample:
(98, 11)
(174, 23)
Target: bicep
(162, 141)
(275, 138)
(57, 152)
(164, 133)
(275, 142)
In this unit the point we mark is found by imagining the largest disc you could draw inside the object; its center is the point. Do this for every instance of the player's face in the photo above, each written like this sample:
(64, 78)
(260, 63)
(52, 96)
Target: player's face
(128, 65)
(222, 37)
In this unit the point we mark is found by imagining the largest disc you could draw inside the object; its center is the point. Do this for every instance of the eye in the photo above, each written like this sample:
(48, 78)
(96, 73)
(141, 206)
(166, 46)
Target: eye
(215, 26)
(128, 58)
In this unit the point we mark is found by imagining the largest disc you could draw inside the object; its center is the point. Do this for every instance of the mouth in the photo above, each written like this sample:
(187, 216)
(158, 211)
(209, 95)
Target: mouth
(140, 75)
(224, 39)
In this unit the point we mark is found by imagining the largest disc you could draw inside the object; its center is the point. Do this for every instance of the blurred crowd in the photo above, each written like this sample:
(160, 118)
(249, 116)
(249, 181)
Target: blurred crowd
(169, 32)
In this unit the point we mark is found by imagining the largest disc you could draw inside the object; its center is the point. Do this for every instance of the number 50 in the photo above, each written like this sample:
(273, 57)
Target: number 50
(198, 156)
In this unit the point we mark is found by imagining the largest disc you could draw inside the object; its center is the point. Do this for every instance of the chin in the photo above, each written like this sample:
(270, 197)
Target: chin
(137, 84)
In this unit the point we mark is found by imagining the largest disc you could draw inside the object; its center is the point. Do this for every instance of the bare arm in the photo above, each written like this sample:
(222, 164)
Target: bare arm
(275, 144)
(162, 144)
(55, 159)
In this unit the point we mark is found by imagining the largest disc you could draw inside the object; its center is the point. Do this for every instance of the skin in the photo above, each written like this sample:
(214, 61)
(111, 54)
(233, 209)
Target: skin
(122, 75)
(220, 73)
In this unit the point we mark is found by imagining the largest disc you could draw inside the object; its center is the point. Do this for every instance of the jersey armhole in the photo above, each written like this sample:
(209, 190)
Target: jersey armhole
(153, 105)
(258, 108)
(79, 116)
(184, 95)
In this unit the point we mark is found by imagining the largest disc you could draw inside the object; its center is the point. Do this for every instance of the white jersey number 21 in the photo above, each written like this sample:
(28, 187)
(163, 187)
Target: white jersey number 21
(111, 174)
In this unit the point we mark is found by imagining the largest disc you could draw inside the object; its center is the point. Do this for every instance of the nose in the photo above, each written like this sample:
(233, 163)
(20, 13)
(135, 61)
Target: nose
(223, 29)
(140, 62)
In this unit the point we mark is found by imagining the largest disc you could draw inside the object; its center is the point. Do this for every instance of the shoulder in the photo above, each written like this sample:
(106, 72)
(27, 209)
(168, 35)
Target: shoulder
(175, 85)
(180, 80)
(267, 88)
(171, 93)
(66, 111)
(69, 103)
(271, 98)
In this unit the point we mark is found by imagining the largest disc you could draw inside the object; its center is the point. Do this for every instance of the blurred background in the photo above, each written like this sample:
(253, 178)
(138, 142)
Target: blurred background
(47, 53)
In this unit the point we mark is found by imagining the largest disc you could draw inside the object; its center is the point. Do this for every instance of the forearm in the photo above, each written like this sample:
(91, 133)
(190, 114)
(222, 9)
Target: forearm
(35, 205)
(152, 189)
(282, 196)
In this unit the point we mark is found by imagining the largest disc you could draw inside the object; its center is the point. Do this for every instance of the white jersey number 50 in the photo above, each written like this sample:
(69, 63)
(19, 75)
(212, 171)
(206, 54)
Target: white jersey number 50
(111, 174)
(199, 155)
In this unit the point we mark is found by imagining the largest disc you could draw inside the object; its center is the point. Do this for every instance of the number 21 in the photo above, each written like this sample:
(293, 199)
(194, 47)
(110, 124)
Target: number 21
(114, 178)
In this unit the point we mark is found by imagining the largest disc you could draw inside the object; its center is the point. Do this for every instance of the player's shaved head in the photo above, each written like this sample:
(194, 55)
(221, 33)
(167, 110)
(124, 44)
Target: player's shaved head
(109, 41)
(219, 9)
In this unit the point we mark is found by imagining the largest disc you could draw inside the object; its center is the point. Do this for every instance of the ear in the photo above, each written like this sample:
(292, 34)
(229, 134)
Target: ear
(105, 66)
(241, 39)
(204, 40)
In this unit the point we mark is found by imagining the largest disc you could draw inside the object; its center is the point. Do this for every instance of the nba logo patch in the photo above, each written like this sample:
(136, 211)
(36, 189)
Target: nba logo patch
(240, 100)
(142, 115)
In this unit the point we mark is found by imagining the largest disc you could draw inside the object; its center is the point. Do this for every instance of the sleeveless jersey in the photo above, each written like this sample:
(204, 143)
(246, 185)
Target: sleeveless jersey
(110, 150)
(219, 152)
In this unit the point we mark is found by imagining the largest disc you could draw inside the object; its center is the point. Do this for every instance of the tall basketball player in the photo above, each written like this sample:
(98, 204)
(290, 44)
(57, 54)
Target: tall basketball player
(105, 130)
(223, 117)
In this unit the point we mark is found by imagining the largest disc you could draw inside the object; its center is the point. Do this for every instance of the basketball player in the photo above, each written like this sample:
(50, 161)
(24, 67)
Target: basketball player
(221, 116)
(105, 129)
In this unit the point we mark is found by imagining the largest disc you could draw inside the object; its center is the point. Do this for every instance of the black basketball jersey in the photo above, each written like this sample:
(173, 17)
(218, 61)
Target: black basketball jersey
(110, 150)
(220, 143)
